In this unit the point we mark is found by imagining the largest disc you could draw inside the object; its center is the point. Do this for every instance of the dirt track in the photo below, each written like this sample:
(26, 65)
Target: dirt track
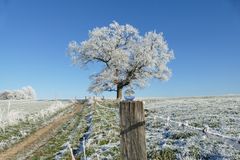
(38, 138)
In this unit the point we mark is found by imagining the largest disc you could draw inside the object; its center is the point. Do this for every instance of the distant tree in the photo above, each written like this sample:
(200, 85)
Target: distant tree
(129, 59)
(24, 93)
(29, 92)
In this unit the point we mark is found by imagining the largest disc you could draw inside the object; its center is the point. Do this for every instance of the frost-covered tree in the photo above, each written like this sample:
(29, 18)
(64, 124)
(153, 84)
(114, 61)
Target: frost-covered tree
(29, 92)
(24, 93)
(129, 59)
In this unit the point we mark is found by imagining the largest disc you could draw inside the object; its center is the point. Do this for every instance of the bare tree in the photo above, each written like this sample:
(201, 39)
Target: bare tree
(129, 59)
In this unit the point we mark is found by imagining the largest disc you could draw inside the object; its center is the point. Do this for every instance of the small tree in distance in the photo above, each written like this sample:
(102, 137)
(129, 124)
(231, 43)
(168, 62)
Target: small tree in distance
(129, 59)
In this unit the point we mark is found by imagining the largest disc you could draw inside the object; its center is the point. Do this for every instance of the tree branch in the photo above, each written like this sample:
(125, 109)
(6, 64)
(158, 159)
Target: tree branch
(103, 60)
(111, 90)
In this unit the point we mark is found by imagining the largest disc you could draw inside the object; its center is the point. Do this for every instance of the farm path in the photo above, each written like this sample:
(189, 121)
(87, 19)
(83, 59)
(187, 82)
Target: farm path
(38, 138)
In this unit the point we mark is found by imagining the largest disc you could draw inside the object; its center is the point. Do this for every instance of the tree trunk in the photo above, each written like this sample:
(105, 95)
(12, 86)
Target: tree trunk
(119, 92)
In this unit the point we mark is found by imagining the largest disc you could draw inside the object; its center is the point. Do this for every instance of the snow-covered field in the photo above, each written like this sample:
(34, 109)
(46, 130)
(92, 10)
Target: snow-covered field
(196, 127)
(176, 128)
(13, 111)
(94, 130)
(18, 118)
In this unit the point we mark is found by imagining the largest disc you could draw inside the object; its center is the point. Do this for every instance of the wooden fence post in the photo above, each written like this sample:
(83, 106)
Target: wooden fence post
(132, 123)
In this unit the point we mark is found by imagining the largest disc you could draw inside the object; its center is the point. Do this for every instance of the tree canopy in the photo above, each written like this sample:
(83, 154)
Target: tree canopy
(129, 58)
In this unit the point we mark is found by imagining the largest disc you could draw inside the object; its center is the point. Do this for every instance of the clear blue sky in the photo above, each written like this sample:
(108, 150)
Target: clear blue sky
(205, 36)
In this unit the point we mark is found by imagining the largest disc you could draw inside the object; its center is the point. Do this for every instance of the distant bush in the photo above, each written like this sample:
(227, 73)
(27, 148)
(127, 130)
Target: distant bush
(24, 93)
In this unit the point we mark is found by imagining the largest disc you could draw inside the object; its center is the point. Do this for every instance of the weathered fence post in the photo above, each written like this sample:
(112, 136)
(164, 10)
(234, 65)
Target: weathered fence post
(132, 123)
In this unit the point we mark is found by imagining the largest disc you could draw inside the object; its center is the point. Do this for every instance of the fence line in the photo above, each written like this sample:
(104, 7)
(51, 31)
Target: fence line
(228, 139)
(214, 115)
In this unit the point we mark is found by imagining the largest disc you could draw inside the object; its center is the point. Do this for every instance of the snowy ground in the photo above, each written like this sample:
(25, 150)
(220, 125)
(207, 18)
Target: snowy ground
(176, 128)
(19, 118)
(196, 127)
(95, 128)
(25, 107)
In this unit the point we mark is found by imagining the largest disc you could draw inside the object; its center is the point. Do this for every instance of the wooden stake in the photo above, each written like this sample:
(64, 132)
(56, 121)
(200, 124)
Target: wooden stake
(132, 123)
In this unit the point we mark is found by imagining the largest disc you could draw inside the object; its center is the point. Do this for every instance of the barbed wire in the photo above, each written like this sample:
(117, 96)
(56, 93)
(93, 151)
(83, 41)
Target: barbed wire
(208, 115)
(205, 130)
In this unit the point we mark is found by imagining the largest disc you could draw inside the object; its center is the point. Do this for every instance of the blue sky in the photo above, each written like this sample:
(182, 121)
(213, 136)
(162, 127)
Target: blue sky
(205, 36)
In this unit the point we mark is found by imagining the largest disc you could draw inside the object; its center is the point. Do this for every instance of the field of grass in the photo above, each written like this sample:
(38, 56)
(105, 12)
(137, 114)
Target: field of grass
(196, 127)
(176, 128)
(20, 118)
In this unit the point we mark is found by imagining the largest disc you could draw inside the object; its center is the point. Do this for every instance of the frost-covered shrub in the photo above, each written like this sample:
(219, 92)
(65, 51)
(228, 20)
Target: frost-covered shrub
(24, 93)
(5, 95)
